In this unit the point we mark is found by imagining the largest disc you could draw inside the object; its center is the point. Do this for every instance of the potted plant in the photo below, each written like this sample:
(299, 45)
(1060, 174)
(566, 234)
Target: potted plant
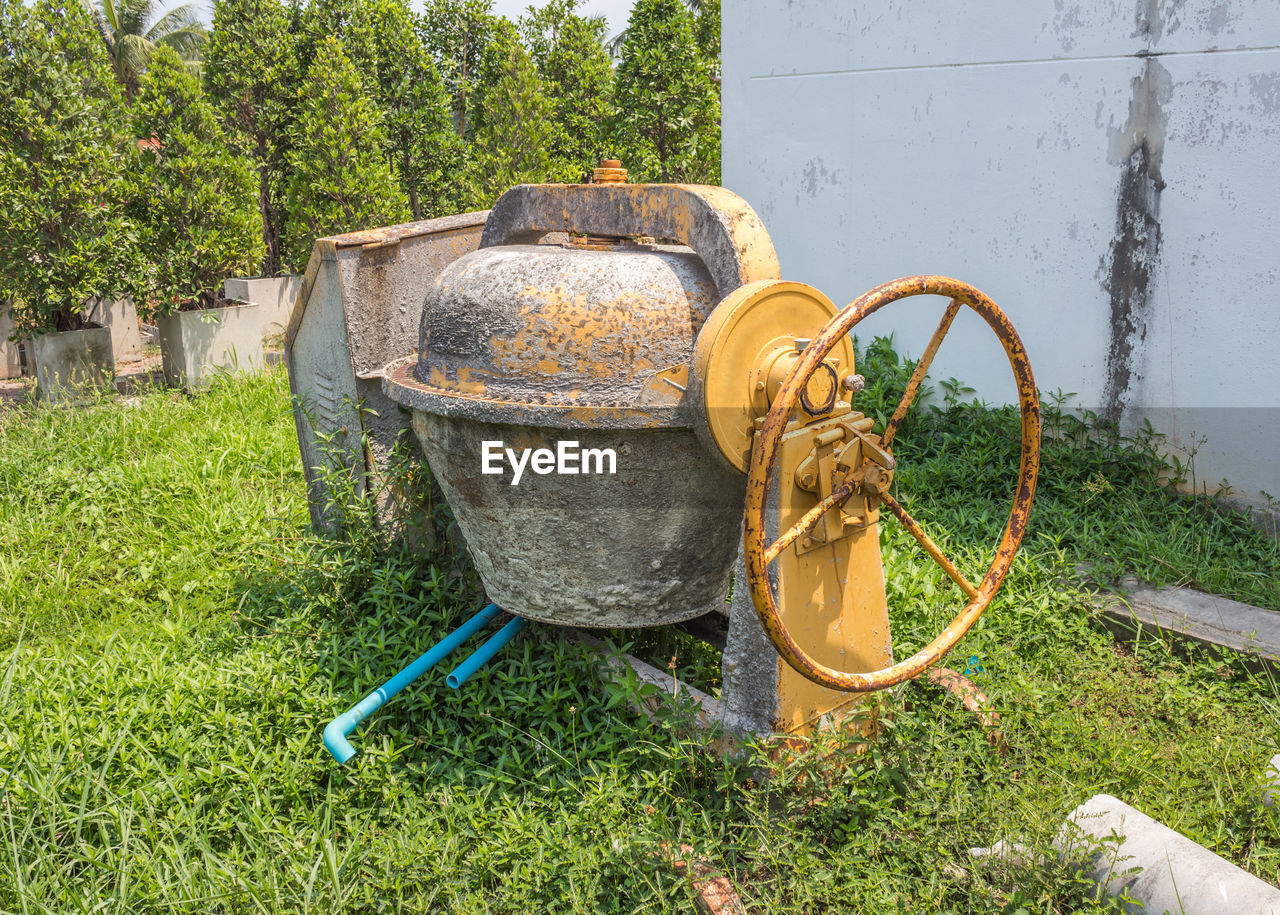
(274, 296)
(63, 234)
(196, 205)
(10, 352)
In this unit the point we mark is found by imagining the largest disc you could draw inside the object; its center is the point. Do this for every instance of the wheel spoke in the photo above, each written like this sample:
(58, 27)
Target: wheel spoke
(810, 518)
(916, 531)
(922, 367)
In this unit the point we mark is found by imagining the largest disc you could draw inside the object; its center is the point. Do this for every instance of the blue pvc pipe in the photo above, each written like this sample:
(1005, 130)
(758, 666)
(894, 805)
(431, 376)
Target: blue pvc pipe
(335, 733)
(485, 652)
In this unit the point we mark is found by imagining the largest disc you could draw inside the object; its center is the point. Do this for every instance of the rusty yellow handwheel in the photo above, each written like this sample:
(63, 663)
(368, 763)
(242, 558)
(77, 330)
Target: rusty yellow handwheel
(764, 455)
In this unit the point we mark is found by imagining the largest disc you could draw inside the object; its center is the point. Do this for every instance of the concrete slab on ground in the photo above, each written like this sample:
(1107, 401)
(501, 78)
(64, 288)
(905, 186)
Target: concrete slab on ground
(1127, 852)
(1186, 614)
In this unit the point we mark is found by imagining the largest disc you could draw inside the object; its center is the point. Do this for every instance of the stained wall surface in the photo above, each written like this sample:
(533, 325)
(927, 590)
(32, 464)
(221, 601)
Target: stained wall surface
(1109, 172)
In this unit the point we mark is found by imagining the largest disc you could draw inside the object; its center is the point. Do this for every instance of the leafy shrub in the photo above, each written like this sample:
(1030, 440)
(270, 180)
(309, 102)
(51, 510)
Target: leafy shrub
(251, 73)
(63, 235)
(195, 201)
(424, 151)
(514, 130)
(340, 181)
(666, 111)
(568, 50)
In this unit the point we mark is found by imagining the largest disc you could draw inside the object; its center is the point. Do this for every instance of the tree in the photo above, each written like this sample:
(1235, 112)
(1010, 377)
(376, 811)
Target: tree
(706, 32)
(426, 153)
(195, 201)
(339, 177)
(131, 32)
(457, 33)
(568, 51)
(63, 235)
(666, 111)
(341, 19)
(250, 71)
(514, 132)
(383, 43)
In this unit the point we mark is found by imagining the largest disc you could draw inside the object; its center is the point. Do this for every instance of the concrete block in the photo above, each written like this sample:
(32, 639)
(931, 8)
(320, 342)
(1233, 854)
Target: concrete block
(1006, 852)
(10, 355)
(1196, 616)
(274, 295)
(758, 687)
(1271, 783)
(195, 345)
(73, 365)
(749, 663)
(121, 318)
(358, 310)
(1160, 868)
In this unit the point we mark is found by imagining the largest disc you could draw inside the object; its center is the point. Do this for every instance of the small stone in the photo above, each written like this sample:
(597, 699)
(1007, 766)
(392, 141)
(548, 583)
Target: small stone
(1271, 783)
(1014, 853)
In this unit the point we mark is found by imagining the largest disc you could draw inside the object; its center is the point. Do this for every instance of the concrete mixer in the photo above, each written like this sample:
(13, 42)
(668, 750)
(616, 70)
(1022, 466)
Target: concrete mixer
(631, 416)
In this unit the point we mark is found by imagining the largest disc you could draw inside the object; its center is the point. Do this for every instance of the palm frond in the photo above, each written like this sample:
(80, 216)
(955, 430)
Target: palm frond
(110, 13)
(104, 28)
(187, 41)
(180, 17)
(614, 44)
(133, 16)
(132, 54)
(131, 35)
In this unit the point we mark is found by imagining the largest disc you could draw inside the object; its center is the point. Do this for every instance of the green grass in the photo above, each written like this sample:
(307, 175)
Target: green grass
(153, 508)
(174, 640)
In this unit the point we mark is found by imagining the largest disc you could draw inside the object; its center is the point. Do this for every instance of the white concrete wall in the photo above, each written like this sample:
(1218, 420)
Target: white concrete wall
(1109, 172)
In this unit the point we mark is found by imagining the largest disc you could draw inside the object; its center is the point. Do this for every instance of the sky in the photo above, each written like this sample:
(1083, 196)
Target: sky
(615, 11)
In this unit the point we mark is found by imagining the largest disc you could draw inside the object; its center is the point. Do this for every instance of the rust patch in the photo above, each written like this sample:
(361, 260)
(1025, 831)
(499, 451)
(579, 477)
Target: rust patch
(714, 893)
(560, 326)
(973, 699)
(717, 224)
(917, 376)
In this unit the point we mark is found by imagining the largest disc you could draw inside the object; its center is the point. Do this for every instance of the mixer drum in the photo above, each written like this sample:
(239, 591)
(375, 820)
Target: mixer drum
(582, 350)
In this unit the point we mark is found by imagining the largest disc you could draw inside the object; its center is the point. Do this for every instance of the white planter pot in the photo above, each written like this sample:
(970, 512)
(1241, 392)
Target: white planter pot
(195, 346)
(73, 365)
(10, 357)
(121, 318)
(275, 295)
